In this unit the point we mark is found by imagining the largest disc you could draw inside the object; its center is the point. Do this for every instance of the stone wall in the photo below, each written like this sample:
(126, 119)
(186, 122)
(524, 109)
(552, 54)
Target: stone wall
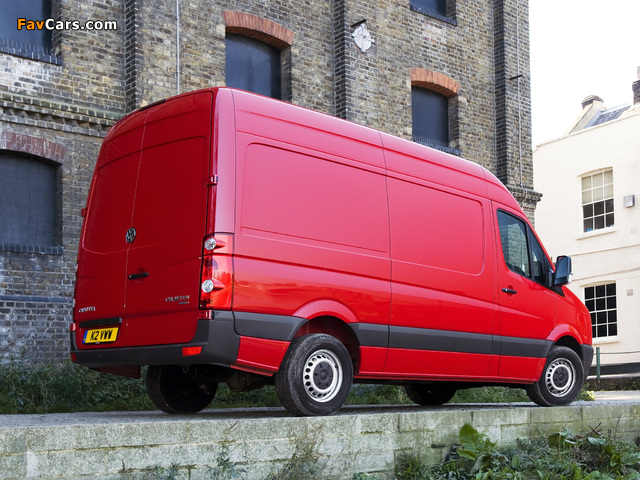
(132, 445)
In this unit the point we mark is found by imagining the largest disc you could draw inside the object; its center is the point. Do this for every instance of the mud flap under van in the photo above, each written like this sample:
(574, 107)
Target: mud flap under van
(587, 358)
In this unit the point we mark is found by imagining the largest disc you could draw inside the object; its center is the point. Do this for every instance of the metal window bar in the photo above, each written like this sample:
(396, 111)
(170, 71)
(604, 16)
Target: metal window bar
(599, 365)
(428, 142)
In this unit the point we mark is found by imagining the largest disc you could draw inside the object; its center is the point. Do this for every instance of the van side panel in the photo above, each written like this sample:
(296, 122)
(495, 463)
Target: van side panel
(222, 197)
(443, 319)
(312, 199)
(309, 228)
(311, 219)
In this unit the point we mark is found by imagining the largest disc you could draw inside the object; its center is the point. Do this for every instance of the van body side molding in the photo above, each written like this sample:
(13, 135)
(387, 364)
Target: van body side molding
(284, 327)
(371, 334)
(464, 342)
(443, 340)
(524, 347)
(271, 327)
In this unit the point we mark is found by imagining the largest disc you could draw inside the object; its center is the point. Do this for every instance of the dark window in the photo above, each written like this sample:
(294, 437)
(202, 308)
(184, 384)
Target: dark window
(253, 65)
(522, 252)
(430, 114)
(443, 10)
(513, 236)
(430, 6)
(26, 42)
(28, 200)
(601, 302)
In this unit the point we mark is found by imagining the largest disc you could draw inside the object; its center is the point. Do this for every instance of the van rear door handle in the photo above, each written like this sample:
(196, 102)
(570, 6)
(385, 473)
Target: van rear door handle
(135, 276)
(510, 291)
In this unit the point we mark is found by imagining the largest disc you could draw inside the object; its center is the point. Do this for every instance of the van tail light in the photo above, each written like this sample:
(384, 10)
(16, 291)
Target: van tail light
(216, 280)
(188, 351)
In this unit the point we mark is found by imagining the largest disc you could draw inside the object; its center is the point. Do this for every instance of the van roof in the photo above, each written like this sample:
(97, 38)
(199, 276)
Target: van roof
(258, 105)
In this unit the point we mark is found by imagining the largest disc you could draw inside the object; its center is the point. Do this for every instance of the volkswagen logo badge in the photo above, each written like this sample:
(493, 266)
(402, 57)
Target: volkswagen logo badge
(131, 235)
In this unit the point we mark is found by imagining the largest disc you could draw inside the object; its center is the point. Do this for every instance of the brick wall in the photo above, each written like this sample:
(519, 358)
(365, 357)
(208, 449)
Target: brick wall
(98, 76)
(36, 282)
(59, 112)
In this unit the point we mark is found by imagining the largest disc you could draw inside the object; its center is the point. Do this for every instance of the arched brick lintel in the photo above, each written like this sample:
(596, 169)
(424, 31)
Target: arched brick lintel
(259, 28)
(37, 146)
(436, 81)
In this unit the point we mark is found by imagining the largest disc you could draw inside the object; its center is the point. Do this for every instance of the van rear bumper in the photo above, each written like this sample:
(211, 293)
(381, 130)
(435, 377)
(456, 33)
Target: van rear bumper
(217, 337)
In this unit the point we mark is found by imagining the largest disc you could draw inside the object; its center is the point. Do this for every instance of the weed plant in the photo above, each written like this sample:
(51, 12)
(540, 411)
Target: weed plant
(561, 456)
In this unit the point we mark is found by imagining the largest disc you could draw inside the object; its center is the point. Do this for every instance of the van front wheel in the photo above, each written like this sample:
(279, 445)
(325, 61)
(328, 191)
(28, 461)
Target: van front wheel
(175, 389)
(561, 379)
(315, 376)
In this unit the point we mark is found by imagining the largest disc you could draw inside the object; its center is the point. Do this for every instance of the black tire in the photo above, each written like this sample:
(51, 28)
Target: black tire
(561, 379)
(430, 393)
(315, 376)
(175, 389)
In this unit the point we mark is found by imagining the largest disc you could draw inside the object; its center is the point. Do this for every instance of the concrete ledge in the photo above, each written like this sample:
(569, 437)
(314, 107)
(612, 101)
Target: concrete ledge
(131, 445)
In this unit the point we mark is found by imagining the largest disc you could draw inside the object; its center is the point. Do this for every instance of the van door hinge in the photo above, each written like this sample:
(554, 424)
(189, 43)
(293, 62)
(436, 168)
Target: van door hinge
(212, 181)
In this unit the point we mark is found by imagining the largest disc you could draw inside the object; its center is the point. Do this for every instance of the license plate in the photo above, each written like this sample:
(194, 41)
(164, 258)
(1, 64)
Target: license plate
(101, 335)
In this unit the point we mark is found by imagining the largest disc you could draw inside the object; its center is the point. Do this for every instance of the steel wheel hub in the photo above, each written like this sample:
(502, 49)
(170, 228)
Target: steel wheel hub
(322, 375)
(560, 377)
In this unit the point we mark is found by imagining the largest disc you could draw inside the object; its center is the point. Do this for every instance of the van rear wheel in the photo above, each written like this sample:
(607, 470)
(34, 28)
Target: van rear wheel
(561, 379)
(176, 389)
(430, 393)
(315, 376)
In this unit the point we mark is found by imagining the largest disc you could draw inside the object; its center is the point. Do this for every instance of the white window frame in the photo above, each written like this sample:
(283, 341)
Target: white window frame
(597, 188)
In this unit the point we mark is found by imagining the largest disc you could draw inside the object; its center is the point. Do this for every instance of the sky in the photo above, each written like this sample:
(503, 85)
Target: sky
(580, 48)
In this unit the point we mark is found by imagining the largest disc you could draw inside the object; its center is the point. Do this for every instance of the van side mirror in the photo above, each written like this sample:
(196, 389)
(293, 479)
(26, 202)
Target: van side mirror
(563, 273)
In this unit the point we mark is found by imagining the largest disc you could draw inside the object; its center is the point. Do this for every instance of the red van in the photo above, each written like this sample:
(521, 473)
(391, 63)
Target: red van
(230, 237)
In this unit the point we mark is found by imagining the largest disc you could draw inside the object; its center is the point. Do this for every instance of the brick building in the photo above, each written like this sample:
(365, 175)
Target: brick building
(452, 74)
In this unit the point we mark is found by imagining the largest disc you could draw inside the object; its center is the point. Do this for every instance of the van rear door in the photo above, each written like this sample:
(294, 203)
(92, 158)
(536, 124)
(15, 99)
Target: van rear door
(146, 220)
(102, 253)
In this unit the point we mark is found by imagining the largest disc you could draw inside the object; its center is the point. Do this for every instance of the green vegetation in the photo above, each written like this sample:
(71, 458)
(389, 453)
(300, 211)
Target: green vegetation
(66, 387)
(561, 456)
(29, 388)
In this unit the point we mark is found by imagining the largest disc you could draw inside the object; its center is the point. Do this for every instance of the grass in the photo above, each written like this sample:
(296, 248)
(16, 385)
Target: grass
(55, 388)
(66, 387)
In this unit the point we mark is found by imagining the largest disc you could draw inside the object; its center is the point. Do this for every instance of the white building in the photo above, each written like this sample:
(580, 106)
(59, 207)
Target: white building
(590, 181)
